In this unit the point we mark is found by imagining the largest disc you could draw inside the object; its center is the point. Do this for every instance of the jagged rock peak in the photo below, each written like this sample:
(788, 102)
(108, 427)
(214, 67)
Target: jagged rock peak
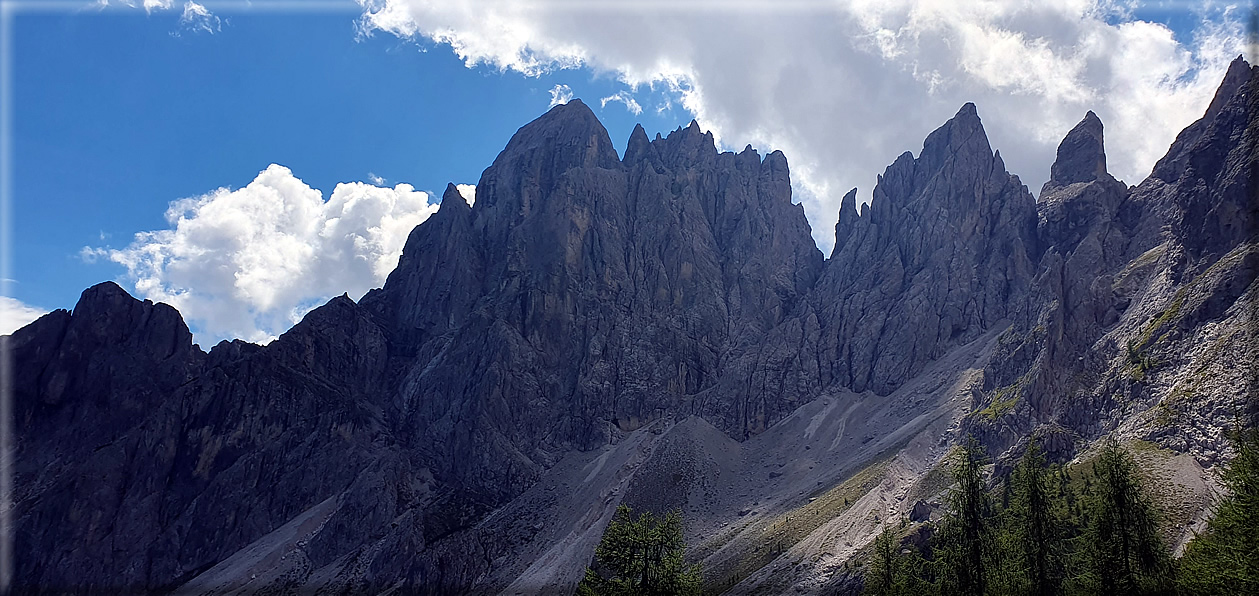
(100, 294)
(963, 133)
(567, 136)
(960, 141)
(848, 217)
(775, 164)
(686, 145)
(638, 145)
(1236, 76)
(953, 209)
(691, 131)
(848, 205)
(1081, 155)
(109, 314)
(1172, 165)
(453, 199)
(107, 305)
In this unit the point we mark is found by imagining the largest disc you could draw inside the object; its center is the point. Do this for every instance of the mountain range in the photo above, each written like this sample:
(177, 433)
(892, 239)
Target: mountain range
(658, 330)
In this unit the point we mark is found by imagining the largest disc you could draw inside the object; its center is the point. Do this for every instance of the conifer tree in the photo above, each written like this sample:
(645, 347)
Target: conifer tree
(1035, 525)
(964, 539)
(1225, 558)
(1123, 553)
(643, 556)
(881, 578)
(894, 572)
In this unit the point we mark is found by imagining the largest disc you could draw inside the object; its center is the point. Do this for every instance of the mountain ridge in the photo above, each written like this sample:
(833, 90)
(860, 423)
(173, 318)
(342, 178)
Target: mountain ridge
(590, 303)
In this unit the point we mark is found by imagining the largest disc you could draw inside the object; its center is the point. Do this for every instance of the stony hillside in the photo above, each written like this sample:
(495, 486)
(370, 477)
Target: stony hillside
(657, 329)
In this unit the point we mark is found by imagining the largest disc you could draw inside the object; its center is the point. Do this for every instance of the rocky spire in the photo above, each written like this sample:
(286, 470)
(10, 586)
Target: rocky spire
(453, 199)
(638, 146)
(952, 209)
(960, 137)
(437, 277)
(847, 219)
(1238, 74)
(1081, 155)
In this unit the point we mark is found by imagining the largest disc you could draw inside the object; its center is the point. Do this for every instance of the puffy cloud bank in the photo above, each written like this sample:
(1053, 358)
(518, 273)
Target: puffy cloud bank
(844, 87)
(250, 262)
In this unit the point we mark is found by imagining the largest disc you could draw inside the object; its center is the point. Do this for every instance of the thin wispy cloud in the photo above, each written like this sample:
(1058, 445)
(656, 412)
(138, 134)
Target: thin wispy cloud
(625, 98)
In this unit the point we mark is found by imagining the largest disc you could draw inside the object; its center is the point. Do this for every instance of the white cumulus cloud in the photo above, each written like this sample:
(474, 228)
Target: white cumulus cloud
(250, 262)
(844, 87)
(15, 314)
(468, 191)
(560, 94)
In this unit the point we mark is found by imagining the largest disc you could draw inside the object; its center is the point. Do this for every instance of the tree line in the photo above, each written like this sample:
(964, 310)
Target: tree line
(1055, 530)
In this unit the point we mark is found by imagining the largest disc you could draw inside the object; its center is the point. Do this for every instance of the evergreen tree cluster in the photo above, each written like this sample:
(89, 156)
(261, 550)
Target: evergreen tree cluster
(641, 555)
(1095, 534)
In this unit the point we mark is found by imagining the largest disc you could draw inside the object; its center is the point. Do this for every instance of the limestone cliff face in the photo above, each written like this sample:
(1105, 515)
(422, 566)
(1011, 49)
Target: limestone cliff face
(1141, 292)
(142, 461)
(1075, 297)
(583, 295)
(586, 299)
(88, 489)
(945, 252)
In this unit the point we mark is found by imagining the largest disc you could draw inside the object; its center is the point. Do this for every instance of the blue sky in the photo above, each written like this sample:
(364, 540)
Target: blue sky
(115, 116)
(119, 111)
